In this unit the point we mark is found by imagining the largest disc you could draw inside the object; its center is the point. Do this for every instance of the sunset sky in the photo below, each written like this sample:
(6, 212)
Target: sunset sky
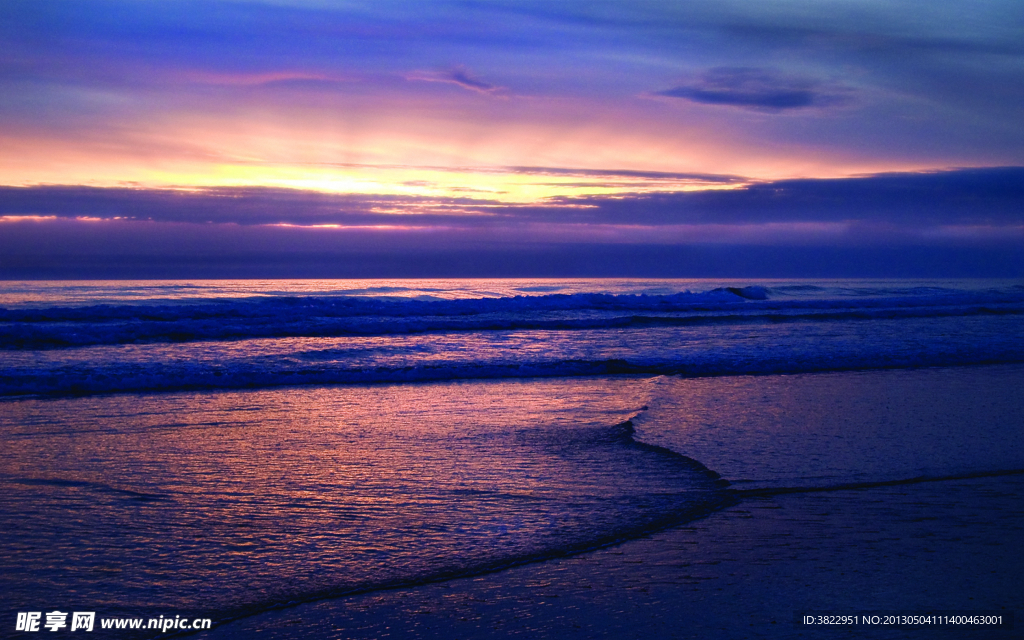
(307, 137)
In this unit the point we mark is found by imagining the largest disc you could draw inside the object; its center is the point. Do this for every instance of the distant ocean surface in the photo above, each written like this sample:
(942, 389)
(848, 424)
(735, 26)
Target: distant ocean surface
(80, 338)
(232, 446)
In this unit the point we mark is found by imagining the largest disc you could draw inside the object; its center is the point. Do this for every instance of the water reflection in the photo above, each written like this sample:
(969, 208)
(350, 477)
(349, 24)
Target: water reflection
(241, 499)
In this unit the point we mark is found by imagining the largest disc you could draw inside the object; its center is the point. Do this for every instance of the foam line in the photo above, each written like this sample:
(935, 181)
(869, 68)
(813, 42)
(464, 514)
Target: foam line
(853, 486)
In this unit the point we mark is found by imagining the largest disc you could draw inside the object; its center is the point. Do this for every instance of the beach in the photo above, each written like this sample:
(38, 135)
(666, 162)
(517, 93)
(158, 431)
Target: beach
(473, 459)
(744, 572)
(748, 570)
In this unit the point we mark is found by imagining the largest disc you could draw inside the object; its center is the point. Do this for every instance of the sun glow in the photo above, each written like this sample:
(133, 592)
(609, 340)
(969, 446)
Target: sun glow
(498, 185)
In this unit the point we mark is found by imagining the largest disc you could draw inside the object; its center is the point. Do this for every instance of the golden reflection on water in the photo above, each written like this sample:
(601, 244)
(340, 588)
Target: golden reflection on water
(228, 499)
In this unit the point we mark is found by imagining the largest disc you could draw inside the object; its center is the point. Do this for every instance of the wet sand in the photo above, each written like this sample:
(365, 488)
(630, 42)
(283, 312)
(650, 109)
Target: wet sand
(740, 573)
(794, 542)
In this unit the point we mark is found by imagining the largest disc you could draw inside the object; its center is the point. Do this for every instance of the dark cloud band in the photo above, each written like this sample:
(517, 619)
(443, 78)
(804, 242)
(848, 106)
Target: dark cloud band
(989, 196)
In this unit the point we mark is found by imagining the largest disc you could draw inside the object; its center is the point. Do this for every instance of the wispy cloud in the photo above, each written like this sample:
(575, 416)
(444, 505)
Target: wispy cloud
(459, 76)
(255, 78)
(933, 89)
(759, 90)
(706, 178)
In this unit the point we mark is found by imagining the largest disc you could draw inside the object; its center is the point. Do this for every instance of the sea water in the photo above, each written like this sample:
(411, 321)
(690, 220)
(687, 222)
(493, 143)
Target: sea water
(228, 447)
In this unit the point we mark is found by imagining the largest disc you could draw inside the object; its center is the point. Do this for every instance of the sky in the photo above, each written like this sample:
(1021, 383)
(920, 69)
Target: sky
(306, 138)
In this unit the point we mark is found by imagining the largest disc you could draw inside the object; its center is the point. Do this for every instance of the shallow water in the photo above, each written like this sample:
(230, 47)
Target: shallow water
(744, 571)
(241, 500)
(229, 447)
(829, 429)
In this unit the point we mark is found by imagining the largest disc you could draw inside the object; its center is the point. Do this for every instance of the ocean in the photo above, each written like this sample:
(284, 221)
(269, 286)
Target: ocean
(228, 448)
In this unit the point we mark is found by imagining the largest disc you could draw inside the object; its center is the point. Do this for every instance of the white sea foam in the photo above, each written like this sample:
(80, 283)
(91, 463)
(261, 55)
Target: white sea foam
(284, 340)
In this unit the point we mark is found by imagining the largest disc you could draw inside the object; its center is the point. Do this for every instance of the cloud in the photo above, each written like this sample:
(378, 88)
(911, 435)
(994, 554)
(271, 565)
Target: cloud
(938, 88)
(708, 178)
(941, 203)
(231, 205)
(967, 222)
(758, 89)
(983, 196)
(461, 77)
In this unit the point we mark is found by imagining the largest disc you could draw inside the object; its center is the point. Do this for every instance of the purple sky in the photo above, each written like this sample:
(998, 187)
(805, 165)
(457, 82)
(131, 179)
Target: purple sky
(300, 137)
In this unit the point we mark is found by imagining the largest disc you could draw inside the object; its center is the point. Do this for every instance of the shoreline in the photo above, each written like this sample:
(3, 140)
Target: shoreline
(858, 492)
(744, 571)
